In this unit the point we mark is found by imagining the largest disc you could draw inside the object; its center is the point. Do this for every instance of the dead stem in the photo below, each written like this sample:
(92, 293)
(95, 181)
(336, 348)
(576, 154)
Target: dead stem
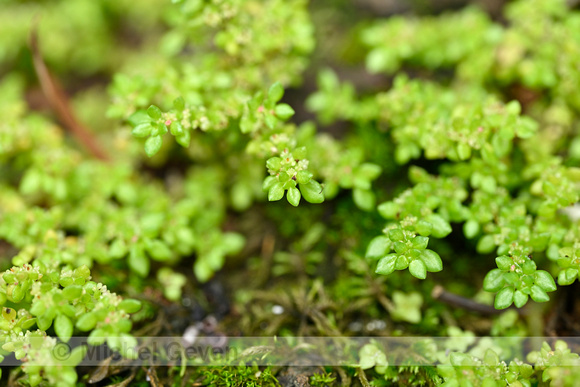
(151, 373)
(59, 102)
(439, 293)
(362, 377)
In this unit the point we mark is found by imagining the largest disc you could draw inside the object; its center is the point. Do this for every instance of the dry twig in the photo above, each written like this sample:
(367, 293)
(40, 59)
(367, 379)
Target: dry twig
(59, 102)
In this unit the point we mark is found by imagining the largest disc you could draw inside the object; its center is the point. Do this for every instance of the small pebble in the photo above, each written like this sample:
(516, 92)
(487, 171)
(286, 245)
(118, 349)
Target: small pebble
(355, 326)
(190, 335)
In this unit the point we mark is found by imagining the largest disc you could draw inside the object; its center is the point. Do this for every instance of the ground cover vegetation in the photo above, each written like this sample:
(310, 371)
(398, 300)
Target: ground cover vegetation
(285, 168)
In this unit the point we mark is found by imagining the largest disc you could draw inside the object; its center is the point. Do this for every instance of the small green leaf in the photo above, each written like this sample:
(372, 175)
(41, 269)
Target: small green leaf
(138, 117)
(76, 356)
(67, 310)
(256, 101)
(386, 265)
(82, 271)
(247, 123)
(471, 228)
(396, 235)
(38, 308)
(491, 359)
(401, 263)
(138, 262)
(241, 196)
(63, 327)
(407, 307)
(463, 151)
(388, 210)
(290, 184)
(486, 244)
(513, 108)
(567, 276)
(539, 241)
(459, 359)
(371, 356)
(45, 321)
(232, 243)
(142, 130)
(299, 153)
(269, 183)
(494, 280)
(381, 60)
(504, 262)
(418, 269)
(152, 145)
(179, 103)
(97, 337)
(303, 177)
(86, 322)
(159, 129)
(72, 292)
(113, 341)
(424, 228)
(117, 249)
(441, 228)
(270, 120)
(158, 250)
(520, 298)
(9, 277)
(283, 177)
(130, 305)
(33, 379)
(502, 142)
(566, 252)
(203, 271)
(368, 171)
(420, 242)
(488, 184)
(504, 298)
(312, 192)
(276, 92)
(154, 112)
(17, 293)
(400, 247)
(526, 127)
(176, 128)
(128, 347)
(539, 294)
(432, 260)
(67, 376)
(283, 111)
(378, 247)
(65, 281)
(364, 199)
(276, 192)
(544, 280)
(274, 163)
(31, 182)
(293, 196)
(529, 267)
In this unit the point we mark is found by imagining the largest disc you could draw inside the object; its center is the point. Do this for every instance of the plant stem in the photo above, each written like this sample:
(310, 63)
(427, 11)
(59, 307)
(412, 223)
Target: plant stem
(60, 104)
(439, 293)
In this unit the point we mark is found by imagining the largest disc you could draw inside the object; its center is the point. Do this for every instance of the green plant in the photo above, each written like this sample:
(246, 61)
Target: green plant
(239, 376)
(461, 159)
(484, 142)
(67, 300)
(323, 379)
